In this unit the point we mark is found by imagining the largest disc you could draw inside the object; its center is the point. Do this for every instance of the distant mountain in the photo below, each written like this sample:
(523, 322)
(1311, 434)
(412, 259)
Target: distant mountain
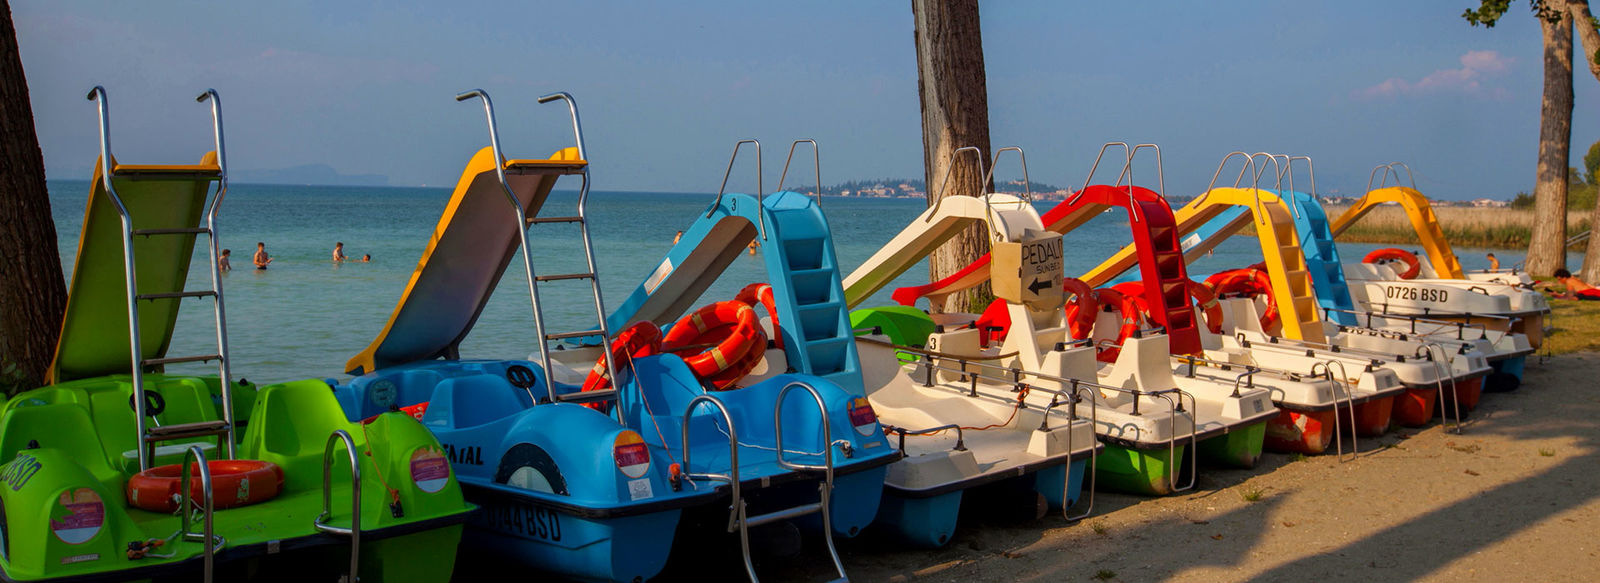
(319, 174)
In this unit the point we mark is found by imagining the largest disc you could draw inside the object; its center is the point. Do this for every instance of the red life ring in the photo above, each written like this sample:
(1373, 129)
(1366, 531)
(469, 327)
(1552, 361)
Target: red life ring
(642, 338)
(233, 483)
(735, 331)
(1081, 311)
(1413, 265)
(1208, 304)
(761, 292)
(1248, 282)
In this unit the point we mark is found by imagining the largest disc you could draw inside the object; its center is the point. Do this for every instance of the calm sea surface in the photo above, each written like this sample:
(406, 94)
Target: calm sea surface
(304, 317)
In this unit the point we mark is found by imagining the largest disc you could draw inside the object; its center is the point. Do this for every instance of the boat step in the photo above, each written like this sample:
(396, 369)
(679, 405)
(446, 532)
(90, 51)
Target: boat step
(588, 396)
(564, 276)
(178, 359)
(181, 231)
(785, 514)
(537, 220)
(578, 334)
(185, 431)
(170, 295)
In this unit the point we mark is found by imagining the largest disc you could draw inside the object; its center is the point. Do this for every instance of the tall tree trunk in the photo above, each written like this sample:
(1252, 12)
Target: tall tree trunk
(1547, 251)
(33, 294)
(955, 114)
(1583, 21)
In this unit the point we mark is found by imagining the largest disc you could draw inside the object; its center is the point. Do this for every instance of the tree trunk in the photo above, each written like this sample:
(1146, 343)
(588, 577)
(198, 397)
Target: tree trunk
(33, 295)
(1584, 21)
(1547, 251)
(955, 114)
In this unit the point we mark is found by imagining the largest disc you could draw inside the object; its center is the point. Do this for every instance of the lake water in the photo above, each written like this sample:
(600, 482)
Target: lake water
(304, 317)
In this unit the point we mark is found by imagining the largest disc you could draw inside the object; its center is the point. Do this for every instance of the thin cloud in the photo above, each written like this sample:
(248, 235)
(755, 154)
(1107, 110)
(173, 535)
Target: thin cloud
(1476, 68)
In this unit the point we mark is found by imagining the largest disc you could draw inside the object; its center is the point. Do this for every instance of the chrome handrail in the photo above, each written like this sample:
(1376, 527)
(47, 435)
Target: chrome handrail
(1439, 367)
(949, 167)
(761, 216)
(826, 487)
(226, 383)
(354, 532)
(1338, 428)
(572, 110)
(816, 158)
(1027, 184)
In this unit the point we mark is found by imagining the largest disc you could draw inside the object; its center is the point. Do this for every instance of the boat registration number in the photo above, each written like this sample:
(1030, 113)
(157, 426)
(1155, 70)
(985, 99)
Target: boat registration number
(1395, 292)
(522, 520)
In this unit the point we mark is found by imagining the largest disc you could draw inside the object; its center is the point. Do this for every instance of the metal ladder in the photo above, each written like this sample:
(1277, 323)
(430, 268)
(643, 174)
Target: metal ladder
(222, 428)
(592, 275)
(738, 519)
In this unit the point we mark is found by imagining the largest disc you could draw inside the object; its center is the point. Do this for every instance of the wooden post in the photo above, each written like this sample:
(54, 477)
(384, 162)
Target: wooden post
(1547, 249)
(955, 114)
(33, 294)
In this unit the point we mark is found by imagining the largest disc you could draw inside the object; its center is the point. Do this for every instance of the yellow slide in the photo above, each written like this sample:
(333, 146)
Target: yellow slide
(469, 251)
(94, 331)
(1440, 256)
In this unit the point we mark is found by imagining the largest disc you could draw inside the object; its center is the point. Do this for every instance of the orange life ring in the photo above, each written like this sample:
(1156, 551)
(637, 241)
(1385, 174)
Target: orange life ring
(1413, 265)
(642, 338)
(733, 328)
(233, 483)
(761, 292)
(1081, 311)
(1208, 304)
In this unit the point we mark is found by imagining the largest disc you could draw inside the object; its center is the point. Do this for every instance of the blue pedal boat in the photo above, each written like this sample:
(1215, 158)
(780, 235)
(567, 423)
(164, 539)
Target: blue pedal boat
(587, 484)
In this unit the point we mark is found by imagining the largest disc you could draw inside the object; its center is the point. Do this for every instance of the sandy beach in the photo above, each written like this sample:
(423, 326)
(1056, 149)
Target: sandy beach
(1515, 497)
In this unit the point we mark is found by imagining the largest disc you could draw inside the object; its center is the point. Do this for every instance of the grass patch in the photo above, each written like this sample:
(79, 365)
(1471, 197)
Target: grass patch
(1297, 457)
(1252, 494)
(1100, 528)
(1576, 327)
(1105, 575)
(1547, 452)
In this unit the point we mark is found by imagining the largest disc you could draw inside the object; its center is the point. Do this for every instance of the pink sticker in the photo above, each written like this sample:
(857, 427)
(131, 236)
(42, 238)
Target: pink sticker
(429, 470)
(85, 513)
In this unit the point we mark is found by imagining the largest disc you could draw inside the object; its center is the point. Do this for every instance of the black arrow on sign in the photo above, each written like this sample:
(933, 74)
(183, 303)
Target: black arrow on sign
(1039, 285)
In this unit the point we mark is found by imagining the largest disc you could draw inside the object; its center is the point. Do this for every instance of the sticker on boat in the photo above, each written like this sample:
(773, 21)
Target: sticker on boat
(862, 416)
(632, 455)
(78, 516)
(429, 469)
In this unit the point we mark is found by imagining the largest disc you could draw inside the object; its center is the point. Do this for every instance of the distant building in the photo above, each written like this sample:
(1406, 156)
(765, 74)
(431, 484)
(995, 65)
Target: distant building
(1489, 203)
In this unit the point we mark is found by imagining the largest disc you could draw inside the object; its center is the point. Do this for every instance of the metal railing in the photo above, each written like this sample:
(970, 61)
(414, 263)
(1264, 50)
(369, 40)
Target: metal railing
(321, 522)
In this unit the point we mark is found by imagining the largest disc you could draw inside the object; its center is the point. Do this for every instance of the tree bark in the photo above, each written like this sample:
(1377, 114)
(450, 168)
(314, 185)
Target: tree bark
(33, 294)
(1583, 20)
(1547, 250)
(955, 114)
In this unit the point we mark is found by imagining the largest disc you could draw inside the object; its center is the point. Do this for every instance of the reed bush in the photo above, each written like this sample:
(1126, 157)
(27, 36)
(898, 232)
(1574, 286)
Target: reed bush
(1494, 228)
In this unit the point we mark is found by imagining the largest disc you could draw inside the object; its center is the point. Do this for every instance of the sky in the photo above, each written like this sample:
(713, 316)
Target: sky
(665, 89)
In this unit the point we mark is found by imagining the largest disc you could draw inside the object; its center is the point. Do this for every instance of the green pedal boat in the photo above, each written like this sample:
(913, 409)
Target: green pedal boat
(279, 483)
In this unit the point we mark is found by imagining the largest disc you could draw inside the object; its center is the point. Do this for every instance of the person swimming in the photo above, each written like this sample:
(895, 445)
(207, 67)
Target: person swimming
(261, 259)
(338, 252)
(223, 264)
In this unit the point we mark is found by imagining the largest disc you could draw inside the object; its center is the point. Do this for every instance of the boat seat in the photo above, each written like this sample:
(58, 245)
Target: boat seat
(63, 426)
(472, 400)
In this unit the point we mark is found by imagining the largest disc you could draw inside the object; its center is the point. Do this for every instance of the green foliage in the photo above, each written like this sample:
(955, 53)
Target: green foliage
(1490, 11)
(1591, 161)
(1523, 201)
